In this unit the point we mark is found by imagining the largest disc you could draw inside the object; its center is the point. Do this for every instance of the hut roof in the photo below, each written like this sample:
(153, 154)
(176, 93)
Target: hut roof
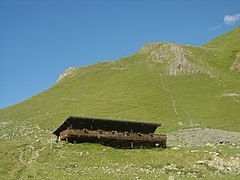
(77, 122)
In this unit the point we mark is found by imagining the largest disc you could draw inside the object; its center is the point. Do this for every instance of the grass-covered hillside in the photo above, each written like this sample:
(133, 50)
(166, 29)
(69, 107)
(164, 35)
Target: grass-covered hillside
(179, 86)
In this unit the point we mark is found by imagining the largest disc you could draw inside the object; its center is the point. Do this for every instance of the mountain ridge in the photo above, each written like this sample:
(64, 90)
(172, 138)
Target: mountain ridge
(178, 47)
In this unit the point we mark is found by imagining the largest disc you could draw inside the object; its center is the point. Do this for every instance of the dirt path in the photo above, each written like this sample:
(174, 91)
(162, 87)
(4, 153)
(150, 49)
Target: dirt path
(173, 101)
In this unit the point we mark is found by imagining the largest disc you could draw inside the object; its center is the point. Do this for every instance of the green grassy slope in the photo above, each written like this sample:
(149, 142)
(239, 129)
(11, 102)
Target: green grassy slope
(176, 85)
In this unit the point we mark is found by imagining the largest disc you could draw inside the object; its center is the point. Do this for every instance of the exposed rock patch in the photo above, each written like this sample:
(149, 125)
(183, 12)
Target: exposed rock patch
(231, 94)
(236, 65)
(222, 166)
(67, 73)
(182, 66)
(176, 58)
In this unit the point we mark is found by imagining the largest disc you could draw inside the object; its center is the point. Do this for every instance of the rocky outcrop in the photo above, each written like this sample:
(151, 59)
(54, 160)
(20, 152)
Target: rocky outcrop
(67, 73)
(236, 65)
(232, 94)
(178, 60)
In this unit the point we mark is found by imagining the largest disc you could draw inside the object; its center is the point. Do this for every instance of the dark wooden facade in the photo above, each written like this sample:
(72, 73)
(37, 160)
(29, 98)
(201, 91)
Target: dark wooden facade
(114, 133)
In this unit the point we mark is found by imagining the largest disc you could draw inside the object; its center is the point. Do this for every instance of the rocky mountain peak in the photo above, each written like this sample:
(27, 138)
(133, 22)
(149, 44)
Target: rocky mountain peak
(177, 58)
(67, 73)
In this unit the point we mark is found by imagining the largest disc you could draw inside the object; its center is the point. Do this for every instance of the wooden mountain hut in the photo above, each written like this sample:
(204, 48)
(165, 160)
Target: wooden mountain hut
(114, 133)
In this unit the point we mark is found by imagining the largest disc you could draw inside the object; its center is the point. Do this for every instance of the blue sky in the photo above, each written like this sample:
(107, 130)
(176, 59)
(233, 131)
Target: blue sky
(39, 39)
